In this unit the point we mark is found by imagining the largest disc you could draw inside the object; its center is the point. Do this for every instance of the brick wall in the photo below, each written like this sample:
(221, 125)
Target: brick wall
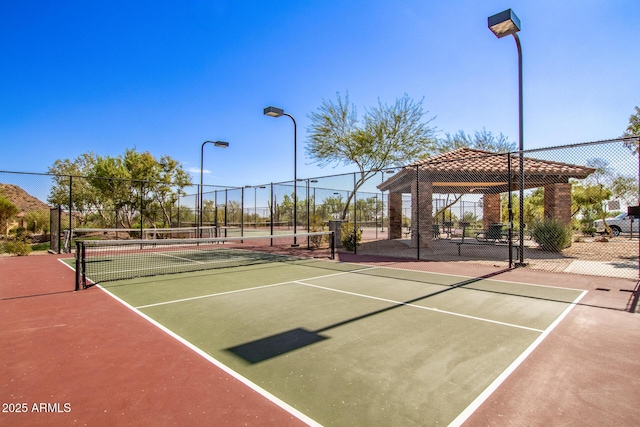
(490, 209)
(395, 215)
(557, 202)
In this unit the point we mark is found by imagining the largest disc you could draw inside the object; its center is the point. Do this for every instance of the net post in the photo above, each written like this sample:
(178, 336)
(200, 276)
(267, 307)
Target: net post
(83, 261)
(332, 244)
(78, 266)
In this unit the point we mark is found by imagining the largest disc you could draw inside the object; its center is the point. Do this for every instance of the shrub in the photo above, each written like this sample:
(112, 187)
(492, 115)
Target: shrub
(552, 235)
(350, 237)
(17, 247)
(317, 224)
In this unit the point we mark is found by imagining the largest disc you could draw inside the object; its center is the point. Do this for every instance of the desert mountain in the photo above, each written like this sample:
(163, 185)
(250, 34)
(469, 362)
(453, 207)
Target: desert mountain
(23, 200)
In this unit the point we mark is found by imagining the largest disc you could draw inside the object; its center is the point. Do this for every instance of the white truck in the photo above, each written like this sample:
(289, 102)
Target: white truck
(621, 223)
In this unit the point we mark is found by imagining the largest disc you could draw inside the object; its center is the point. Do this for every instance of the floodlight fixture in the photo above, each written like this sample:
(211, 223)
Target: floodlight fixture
(504, 23)
(273, 112)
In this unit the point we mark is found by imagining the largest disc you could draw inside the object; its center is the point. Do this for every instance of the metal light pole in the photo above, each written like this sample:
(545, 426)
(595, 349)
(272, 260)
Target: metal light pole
(221, 144)
(279, 112)
(503, 24)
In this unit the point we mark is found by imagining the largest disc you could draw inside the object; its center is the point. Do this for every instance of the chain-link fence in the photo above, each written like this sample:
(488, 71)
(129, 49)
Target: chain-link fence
(560, 209)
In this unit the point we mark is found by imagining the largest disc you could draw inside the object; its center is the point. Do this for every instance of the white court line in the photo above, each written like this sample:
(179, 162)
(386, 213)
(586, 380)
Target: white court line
(212, 295)
(66, 264)
(213, 261)
(162, 267)
(244, 290)
(482, 397)
(180, 258)
(282, 404)
(482, 319)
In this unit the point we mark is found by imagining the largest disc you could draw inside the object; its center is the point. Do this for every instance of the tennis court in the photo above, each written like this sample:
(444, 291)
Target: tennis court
(350, 344)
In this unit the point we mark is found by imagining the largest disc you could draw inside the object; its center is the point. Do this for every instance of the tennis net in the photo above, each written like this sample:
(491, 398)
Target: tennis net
(108, 260)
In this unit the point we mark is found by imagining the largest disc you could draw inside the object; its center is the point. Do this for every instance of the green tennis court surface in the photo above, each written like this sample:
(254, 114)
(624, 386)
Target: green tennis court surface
(348, 344)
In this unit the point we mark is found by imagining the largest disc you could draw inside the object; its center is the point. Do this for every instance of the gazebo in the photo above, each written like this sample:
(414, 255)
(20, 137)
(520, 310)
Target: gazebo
(470, 171)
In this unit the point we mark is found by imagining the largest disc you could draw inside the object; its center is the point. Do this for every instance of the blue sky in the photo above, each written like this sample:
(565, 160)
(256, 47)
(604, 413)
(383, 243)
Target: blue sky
(163, 77)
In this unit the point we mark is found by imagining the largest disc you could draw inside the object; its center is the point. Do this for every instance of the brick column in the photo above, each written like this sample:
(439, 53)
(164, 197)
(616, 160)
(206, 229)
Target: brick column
(557, 202)
(490, 209)
(421, 214)
(395, 215)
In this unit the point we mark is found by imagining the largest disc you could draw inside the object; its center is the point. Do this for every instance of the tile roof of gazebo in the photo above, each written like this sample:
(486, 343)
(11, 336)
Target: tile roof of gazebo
(466, 170)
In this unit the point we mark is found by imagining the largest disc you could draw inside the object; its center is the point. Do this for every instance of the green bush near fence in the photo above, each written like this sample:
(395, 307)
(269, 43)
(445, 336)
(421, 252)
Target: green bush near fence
(350, 236)
(18, 244)
(551, 235)
(317, 224)
(16, 247)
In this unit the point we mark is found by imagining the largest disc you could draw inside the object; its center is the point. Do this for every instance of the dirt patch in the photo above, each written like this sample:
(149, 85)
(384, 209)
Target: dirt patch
(620, 248)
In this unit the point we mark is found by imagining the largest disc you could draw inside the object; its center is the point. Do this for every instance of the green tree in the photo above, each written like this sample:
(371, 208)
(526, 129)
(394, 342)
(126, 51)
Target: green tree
(533, 207)
(234, 212)
(37, 221)
(633, 130)
(7, 211)
(586, 204)
(68, 181)
(368, 209)
(118, 188)
(332, 208)
(113, 193)
(634, 124)
(481, 140)
(389, 135)
(208, 212)
(589, 197)
(170, 181)
(625, 188)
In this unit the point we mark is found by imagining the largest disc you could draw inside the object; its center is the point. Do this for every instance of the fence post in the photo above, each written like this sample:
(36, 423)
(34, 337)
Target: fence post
(198, 212)
(271, 218)
(510, 212)
(355, 217)
(141, 216)
(636, 292)
(308, 215)
(417, 226)
(70, 212)
(215, 213)
(226, 202)
(242, 211)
